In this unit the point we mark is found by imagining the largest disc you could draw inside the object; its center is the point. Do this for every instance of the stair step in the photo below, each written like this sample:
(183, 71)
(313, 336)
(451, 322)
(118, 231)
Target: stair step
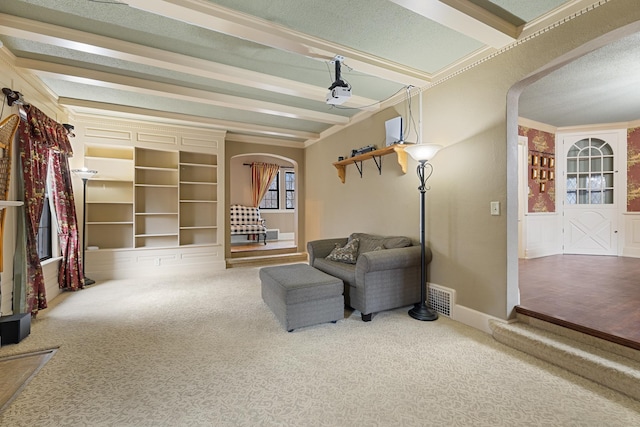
(256, 261)
(597, 360)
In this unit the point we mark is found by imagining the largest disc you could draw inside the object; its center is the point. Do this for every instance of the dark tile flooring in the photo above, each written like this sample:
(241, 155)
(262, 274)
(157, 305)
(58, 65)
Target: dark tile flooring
(598, 295)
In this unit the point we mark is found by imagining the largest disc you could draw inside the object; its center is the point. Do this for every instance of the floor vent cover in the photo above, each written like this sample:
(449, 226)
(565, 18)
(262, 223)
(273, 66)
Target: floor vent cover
(440, 299)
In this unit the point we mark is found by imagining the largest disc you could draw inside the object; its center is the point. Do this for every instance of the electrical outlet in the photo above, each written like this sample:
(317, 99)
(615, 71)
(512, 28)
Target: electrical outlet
(495, 208)
(157, 261)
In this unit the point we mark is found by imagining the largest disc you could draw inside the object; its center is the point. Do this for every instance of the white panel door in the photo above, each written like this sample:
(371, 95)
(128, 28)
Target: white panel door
(591, 194)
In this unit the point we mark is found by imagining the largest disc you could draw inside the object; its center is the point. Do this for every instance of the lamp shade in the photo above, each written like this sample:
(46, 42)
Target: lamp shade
(422, 152)
(84, 173)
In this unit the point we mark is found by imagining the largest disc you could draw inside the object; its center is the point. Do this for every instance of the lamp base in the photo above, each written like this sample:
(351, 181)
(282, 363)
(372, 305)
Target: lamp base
(88, 281)
(422, 312)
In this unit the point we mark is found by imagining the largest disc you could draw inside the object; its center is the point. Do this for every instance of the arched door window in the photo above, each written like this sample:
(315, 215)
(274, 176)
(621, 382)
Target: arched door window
(590, 173)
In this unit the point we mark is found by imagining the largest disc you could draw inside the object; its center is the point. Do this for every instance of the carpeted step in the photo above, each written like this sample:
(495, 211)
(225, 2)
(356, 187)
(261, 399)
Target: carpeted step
(588, 360)
(584, 338)
(259, 261)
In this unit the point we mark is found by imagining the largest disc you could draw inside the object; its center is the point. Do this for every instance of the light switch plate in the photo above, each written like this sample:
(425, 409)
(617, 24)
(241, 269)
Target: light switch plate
(495, 208)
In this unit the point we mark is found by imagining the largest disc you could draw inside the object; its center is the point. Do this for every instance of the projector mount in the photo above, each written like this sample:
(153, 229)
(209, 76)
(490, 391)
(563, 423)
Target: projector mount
(339, 91)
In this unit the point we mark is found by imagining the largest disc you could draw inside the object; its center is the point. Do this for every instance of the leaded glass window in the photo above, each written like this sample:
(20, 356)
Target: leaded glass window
(590, 173)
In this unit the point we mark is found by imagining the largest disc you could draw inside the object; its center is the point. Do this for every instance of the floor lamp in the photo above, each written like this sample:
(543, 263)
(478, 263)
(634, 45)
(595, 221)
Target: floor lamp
(84, 174)
(423, 153)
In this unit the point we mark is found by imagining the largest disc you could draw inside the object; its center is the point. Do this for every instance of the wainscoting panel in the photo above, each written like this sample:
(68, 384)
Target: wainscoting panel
(544, 234)
(631, 235)
(121, 264)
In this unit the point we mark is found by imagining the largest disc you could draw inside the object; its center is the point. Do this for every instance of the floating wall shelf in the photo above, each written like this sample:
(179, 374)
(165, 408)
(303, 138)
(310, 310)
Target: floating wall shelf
(8, 203)
(376, 155)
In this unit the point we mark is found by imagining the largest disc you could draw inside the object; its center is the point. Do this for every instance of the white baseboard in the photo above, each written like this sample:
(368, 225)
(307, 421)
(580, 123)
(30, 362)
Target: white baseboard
(631, 252)
(287, 236)
(474, 318)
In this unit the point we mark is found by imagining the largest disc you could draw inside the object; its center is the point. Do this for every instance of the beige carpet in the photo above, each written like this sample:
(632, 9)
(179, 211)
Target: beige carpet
(206, 351)
(17, 371)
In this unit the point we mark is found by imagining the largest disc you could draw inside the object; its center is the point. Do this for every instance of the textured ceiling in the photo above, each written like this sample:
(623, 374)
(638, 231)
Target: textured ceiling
(261, 68)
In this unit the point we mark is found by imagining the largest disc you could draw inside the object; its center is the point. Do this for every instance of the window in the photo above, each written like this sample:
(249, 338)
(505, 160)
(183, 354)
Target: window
(290, 190)
(275, 198)
(271, 199)
(44, 240)
(590, 173)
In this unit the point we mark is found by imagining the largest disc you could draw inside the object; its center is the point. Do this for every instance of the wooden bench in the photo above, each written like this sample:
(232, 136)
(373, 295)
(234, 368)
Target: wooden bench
(246, 220)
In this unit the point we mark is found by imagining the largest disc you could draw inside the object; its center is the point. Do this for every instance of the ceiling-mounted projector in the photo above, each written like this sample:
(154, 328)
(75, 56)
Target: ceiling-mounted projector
(338, 95)
(339, 91)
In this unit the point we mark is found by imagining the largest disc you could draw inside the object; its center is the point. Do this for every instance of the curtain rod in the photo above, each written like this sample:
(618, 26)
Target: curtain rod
(281, 167)
(13, 97)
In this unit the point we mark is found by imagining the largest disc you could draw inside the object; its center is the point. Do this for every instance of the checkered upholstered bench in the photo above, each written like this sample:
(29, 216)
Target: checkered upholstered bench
(299, 295)
(247, 220)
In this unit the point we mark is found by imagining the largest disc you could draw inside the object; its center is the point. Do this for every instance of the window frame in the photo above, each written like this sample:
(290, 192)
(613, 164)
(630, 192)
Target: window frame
(287, 191)
(268, 195)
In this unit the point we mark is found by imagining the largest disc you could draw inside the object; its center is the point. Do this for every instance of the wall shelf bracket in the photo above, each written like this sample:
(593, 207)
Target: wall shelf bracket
(378, 161)
(359, 166)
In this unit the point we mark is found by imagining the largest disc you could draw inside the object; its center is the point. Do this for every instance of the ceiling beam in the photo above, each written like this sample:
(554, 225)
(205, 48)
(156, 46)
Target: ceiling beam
(216, 18)
(104, 46)
(81, 106)
(467, 18)
(172, 91)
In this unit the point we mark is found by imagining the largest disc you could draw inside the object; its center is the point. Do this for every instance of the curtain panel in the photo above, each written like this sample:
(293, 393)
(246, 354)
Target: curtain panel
(34, 157)
(261, 176)
(41, 140)
(70, 272)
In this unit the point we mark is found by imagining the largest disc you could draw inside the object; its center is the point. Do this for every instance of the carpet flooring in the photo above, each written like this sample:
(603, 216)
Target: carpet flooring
(17, 371)
(206, 351)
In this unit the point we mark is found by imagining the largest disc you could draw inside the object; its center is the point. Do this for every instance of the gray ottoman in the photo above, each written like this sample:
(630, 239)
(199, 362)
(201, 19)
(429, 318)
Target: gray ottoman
(299, 295)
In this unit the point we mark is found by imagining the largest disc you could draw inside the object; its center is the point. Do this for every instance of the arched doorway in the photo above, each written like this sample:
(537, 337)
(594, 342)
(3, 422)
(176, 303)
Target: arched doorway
(588, 189)
(279, 209)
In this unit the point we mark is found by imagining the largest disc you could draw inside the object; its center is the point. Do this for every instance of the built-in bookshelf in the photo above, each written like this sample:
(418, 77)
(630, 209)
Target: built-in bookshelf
(155, 205)
(156, 198)
(147, 198)
(198, 198)
(109, 197)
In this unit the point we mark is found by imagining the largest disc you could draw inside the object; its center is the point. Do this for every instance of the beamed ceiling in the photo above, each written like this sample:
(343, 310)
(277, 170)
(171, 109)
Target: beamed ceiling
(261, 69)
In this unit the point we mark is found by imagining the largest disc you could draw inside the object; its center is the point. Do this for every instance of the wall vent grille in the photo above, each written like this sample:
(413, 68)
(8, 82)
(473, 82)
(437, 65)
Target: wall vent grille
(273, 234)
(441, 299)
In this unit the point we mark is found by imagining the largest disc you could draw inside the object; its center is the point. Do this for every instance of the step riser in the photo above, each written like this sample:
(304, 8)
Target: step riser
(581, 337)
(263, 261)
(624, 379)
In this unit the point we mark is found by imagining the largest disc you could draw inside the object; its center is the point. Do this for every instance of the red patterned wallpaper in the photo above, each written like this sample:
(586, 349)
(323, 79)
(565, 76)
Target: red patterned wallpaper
(633, 169)
(542, 169)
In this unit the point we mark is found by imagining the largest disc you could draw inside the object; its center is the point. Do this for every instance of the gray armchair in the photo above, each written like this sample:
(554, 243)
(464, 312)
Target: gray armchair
(386, 274)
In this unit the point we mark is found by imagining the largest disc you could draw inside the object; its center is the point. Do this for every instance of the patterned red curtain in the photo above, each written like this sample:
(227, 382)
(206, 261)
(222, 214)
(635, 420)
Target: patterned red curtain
(34, 156)
(39, 137)
(261, 176)
(70, 273)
